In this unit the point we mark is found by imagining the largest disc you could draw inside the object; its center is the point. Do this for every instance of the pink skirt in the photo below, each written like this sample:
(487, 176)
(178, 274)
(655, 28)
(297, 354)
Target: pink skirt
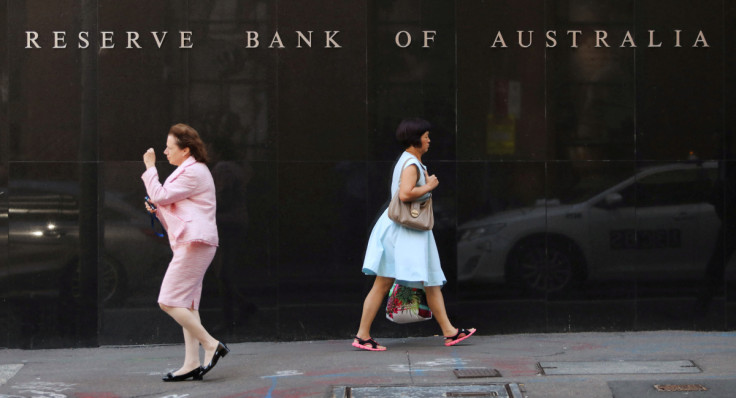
(182, 284)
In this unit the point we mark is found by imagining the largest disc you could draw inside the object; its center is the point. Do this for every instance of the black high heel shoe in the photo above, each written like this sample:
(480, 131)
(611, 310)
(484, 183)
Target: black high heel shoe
(220, 352)
(195, 374)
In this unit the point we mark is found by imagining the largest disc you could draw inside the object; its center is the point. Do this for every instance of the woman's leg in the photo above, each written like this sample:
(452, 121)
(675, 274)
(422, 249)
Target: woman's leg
(436, 302)
(372, 304)
(191, 356)
(194, 333)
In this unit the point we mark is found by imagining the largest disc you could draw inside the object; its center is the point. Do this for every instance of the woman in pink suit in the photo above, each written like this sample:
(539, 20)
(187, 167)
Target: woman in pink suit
(185, 204)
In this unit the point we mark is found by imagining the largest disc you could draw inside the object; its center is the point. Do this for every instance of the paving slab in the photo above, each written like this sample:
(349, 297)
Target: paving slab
(8, 371)
(618, 367)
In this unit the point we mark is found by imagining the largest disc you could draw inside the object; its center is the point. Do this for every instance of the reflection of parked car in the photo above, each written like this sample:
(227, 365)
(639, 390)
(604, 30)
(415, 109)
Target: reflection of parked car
(659, 224)
(43, 244)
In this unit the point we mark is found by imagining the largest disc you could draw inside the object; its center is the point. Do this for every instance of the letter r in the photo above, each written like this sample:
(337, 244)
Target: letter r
(31, 37)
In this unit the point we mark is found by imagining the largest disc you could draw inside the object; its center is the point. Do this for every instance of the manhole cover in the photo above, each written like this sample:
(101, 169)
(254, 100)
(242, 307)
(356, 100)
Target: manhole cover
(508, 390)
(679, 387)
(469, 373)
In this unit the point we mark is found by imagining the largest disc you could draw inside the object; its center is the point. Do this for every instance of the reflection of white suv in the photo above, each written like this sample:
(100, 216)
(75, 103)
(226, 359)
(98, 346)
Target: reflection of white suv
(659, 224)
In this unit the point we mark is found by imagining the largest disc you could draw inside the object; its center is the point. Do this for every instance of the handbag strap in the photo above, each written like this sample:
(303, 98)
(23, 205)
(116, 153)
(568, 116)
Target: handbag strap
(404, 165)
(420, 169)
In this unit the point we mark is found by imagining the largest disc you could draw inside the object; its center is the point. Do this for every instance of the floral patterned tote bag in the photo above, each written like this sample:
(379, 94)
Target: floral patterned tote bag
(407, 305)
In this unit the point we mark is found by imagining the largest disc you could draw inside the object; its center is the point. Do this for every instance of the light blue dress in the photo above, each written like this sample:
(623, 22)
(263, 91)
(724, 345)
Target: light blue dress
(395, 251)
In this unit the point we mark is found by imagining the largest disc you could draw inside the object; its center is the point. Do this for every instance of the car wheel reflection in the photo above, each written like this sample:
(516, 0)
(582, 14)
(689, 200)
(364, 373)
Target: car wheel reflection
(555, 270)
(111, 281)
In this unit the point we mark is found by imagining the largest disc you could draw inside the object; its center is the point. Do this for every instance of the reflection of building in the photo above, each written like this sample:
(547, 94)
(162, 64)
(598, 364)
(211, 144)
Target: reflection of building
(594, 87)
(412, 81)
(227, 89)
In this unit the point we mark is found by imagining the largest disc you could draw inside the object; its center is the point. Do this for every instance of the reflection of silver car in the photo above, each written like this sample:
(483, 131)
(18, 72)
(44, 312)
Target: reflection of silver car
(43, 244)
(659, 223)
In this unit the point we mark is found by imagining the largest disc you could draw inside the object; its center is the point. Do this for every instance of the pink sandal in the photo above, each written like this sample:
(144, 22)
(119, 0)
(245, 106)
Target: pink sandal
(362, 344)
(449, 341)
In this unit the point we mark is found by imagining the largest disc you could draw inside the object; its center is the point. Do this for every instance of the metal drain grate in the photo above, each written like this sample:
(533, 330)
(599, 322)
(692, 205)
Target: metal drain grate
(501, 390)
(470, 373)
(679, 387)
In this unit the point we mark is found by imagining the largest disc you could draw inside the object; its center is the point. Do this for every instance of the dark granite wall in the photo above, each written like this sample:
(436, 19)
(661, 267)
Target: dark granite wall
(584, 151)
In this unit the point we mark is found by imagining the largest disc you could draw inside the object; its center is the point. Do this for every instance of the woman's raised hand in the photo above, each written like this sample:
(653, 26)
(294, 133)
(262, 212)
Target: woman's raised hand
(149, 158)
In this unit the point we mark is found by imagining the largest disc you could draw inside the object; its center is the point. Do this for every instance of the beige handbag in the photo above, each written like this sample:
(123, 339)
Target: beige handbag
(415, 215)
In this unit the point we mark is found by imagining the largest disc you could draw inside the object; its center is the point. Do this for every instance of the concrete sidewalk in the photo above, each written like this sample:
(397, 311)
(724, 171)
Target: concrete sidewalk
(588, 365)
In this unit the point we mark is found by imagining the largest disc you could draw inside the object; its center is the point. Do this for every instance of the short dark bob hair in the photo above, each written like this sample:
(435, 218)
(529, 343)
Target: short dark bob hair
(410, 131)
(187, 137)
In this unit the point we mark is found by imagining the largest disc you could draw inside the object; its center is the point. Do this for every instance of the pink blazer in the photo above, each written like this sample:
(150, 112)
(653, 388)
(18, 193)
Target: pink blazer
(185, 202)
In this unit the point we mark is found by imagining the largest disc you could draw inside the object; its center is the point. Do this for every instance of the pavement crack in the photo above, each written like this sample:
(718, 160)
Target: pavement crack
(550, 355)
(411, 371)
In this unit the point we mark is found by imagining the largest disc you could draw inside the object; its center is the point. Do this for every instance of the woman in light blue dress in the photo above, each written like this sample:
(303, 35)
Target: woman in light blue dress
(407, 256)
